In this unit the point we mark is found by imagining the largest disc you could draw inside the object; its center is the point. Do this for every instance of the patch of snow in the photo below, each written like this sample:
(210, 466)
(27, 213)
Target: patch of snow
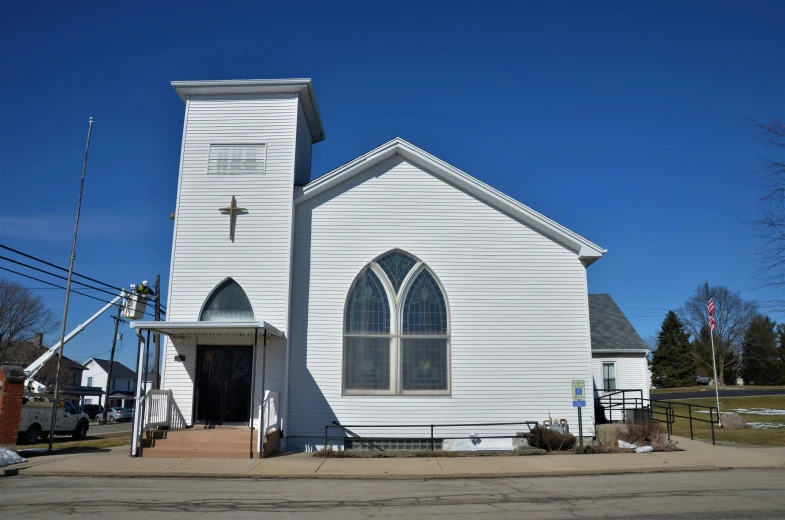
(644, 449)
(765, 425)
(750, 411)
(8, 457)
(760, 411)
(627, 445)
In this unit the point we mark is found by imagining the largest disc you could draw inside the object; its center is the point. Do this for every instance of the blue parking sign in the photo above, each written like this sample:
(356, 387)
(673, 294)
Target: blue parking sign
(578, 392)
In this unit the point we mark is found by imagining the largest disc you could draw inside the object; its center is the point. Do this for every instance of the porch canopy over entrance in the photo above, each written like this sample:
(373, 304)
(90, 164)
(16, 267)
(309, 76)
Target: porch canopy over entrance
(175, 329)
(207, 328)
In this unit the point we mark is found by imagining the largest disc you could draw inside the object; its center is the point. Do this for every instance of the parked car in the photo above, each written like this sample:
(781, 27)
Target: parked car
(92, 410)
(702, 380)
(36, 421)
(116, 414)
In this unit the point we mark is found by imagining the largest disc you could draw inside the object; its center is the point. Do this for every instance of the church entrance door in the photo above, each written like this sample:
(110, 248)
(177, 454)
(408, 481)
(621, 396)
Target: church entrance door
(223, 384)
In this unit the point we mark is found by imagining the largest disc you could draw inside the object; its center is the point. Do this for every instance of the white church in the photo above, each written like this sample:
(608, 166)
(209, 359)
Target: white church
(394, 290)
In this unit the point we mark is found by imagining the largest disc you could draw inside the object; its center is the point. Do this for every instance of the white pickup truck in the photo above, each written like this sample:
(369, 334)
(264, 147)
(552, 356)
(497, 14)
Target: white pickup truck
(36, 421)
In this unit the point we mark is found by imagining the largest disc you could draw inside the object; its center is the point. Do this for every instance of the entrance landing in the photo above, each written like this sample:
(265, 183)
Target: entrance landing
(219, 442)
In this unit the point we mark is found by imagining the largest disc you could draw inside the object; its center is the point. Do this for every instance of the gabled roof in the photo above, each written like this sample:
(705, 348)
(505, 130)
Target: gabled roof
(303, 87)
(587, 251)
(119, 370)
(610, 328)
(25, 352)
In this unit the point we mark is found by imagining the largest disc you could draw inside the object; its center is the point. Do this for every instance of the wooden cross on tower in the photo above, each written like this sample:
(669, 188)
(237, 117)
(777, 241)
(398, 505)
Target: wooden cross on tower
(232, 211)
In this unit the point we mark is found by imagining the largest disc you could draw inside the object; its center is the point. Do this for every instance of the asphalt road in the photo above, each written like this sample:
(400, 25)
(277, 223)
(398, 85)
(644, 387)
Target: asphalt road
(104, 429)
(737, 494)
(709, 392)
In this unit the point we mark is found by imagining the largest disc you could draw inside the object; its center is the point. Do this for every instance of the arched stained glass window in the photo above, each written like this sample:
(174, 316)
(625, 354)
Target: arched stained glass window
(228, 302)
(368, 310)
(396, 265)
(424, 311)
(403, 349)
(366, 353)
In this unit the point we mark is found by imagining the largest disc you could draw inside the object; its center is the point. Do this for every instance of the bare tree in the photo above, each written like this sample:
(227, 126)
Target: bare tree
(22, 314)
(770, 226)
(733, 315)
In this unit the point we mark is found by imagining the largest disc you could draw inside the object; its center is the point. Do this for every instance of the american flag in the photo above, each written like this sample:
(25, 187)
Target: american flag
(712, 321)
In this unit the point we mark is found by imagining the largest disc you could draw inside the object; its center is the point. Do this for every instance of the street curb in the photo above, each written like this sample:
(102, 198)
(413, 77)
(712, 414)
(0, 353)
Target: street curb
(381, 476)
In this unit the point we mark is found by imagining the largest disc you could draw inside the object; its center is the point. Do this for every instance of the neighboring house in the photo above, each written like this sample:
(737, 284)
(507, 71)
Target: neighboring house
(121, 392)
(394, 290)
(619, 355)
(23, 353)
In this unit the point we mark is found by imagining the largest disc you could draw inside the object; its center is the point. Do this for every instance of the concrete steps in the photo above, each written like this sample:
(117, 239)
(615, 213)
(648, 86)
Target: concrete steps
(221, 442)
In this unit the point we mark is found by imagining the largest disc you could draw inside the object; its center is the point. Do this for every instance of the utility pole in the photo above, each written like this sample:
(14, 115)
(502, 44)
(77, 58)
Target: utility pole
(55, 401)
(157, 337)
(117, 320)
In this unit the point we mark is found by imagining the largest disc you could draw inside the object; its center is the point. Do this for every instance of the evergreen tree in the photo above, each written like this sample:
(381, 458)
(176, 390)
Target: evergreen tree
(673, 364)
(759, 353)
(781, 353)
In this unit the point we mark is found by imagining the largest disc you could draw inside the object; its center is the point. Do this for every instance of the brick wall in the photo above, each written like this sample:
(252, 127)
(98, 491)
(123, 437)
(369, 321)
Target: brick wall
(11, 394)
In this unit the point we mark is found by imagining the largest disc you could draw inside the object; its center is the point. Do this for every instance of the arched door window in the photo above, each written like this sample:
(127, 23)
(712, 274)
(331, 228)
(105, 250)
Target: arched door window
(396, 330)
(228, 302)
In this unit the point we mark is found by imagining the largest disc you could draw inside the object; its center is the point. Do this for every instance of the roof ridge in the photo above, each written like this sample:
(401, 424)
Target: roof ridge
(587, 250)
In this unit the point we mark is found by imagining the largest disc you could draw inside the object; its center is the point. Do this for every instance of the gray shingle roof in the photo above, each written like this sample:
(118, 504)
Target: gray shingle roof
(610, 328)
(119, 370)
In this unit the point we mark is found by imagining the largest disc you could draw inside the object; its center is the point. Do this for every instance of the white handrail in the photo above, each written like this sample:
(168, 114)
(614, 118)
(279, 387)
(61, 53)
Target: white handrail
(162, 410)
(268, 417)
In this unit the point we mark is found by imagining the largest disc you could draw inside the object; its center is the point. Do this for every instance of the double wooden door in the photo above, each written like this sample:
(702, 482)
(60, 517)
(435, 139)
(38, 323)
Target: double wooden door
(223, 384)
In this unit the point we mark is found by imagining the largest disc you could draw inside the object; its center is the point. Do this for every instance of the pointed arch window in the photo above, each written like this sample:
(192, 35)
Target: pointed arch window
(228, 302)
(366, 353)
(396, 330)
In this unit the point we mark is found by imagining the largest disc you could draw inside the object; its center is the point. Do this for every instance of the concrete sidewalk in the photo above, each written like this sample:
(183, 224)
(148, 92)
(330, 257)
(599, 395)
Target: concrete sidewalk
(698, 456)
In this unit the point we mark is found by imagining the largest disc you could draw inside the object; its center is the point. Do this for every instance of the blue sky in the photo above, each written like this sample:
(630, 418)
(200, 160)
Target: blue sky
(624, 121)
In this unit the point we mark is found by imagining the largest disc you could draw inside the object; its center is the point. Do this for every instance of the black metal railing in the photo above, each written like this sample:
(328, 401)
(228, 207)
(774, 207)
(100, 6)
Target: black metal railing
(660, 410)
(532, 425)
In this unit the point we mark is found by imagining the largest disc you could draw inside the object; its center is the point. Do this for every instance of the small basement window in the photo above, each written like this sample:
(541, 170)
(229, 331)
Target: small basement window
(236, 159)
(393, 444)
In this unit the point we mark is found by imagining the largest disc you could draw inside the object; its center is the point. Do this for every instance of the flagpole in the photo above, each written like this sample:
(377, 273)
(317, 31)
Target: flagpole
(713, 360)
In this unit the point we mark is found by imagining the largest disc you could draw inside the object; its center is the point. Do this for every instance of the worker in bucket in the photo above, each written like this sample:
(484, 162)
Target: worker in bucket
(144, 289)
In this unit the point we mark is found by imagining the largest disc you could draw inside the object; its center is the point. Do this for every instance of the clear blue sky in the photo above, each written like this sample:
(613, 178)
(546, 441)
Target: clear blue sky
(624, 121)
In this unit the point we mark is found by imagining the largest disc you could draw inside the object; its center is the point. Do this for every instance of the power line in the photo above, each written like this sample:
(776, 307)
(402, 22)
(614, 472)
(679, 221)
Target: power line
(61, 287)
(48, 288)
(87, 287)
(56, 275)
(58, 267)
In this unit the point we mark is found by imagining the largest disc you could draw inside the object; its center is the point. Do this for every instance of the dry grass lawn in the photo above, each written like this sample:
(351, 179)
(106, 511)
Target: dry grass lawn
(710, 389)
(68, 445)
(702, 430)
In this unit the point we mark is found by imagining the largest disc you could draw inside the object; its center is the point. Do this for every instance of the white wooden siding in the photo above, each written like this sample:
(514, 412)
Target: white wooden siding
(631, 371)
(517, 299)
(99, 376)
(203, 255)
(302, 161)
